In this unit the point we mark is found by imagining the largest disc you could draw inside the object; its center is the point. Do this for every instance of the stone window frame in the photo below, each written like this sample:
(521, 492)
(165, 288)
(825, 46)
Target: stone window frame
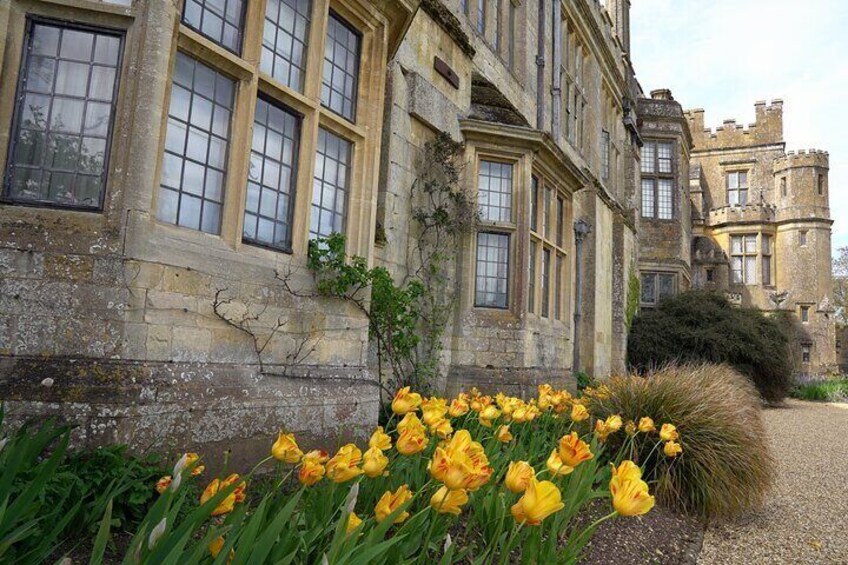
(30, 21)
(253, 82)
(97, 15)
(204, 10)
(739, 190)
(757, 257)
(806, 352)
(656, 275)
(783, 186)
(551, 237)
(767, 259)
(820, 183)
(802, 238)
(501, 31)
(804, 310)
(654, 176)
(575, 58)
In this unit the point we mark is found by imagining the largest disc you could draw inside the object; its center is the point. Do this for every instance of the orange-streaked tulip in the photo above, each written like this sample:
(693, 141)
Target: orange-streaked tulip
(353, 522)
(631, 498)
(191, 459)
(626, 471)
(446, 501)
(578, 413)
(310, 472)
(556, 466)
(518, 476)
(503, 434)
(454, 469)
(344, 465)
(380, 439)
(215, 547)
(646, 425)
(391, 501)
(573, 450)
(668, 432)
(411, 442)
(163, 484)
(405, 401)
(316, 456)
(540, 500)
(374, 462)
(239, 492)
(458, 407)
(672, 449)
(285, 449)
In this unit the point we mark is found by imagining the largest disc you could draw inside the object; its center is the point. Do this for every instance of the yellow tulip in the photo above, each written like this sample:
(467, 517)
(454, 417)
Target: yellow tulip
(391, 501)
(239, 492)
(518, 476)
(578, 413)
(646, 425)
(614, 423)
(353, 522)
(573, 450)
(285, 449)
(310, 472)
(226, 505)
(411, 423)
(446, 501)
(458, 407)
(344, 465)
(488, 414)
(316, 456)
(191, 458)
(454, 469)
(672, 449)
(503, 434)
(626, 471)
(668, 432)
(380, 440)
(556, 466)
(631, 498)
(630, 428)
(411, 442)
(433, 409)
(215, 547)
(405, 401)
(540, 500)
(374, 462)
(442, 428)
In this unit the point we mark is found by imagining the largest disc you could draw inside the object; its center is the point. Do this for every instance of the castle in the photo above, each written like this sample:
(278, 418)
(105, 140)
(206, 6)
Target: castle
(167, 161)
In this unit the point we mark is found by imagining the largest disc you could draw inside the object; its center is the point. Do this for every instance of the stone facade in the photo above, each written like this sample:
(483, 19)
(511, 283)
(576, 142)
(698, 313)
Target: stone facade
(162, 310)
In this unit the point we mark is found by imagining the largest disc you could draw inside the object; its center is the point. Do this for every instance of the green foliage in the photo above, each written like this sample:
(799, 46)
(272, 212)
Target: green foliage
(634, 287)
(832, 390)
(697, 326)
(584, 380)
(725, 468)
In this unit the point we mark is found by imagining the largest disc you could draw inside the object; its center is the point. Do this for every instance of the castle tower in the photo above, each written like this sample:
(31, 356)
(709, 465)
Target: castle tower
(803, 235)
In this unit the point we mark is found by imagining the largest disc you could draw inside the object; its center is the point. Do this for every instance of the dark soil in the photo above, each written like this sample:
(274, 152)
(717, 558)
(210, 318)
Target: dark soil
(662, 536)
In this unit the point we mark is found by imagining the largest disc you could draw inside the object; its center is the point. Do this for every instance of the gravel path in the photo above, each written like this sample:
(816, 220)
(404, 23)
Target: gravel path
(806, 518)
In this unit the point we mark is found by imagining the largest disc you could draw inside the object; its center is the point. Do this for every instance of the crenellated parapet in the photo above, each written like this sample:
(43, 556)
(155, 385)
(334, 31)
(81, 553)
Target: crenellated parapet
(802, 158)
(766, 130)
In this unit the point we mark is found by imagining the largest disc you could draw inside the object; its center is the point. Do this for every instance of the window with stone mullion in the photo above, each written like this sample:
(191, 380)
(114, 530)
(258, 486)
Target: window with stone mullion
(285, 40)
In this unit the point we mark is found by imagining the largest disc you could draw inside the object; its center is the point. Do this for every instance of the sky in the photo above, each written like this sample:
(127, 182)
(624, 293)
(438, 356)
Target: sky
(723, 55)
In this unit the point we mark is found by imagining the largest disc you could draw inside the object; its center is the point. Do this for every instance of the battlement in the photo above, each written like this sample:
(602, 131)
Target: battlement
(802, 158)
(767, 129)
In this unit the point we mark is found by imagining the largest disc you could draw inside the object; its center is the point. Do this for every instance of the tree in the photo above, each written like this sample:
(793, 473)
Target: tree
(840, 285)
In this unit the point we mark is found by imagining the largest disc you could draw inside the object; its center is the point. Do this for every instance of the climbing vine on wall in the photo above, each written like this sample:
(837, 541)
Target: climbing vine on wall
(634, 288)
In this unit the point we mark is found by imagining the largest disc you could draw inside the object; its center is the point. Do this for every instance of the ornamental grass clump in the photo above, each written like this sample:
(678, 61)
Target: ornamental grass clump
(714, 460)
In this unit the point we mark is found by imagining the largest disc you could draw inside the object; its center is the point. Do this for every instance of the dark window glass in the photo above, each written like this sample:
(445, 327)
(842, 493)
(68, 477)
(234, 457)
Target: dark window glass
(534, 204)
(284, 41)
(666, 288)
(194, 166)
(649, 289)
(546, 282)
(495, 191)
(330, 184)
(219, 20)
(341, 68)
(271, 177)
(805, 353)
(805, 313)
(531, 285)
(605, 154)
(64, 114)
(481, 16)
(560, 267)
(560, 234)
(492, 278)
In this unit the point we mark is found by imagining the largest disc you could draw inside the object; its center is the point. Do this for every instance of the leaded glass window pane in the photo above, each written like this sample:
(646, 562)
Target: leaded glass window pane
(648, 157)
(492, 277)
(194, 166)
(495, 192)
(330, 184)
(271, 177)
(219, 20)
(605, 154)
(546, 282)
(648, 203)
(560, 267)
(560, 234)
(666, 288)
(64, 116)
(664, 152)
(665, 208)
(341, 68)
(531, 285)
(284, 41)
(649, 289)
(534, 204)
